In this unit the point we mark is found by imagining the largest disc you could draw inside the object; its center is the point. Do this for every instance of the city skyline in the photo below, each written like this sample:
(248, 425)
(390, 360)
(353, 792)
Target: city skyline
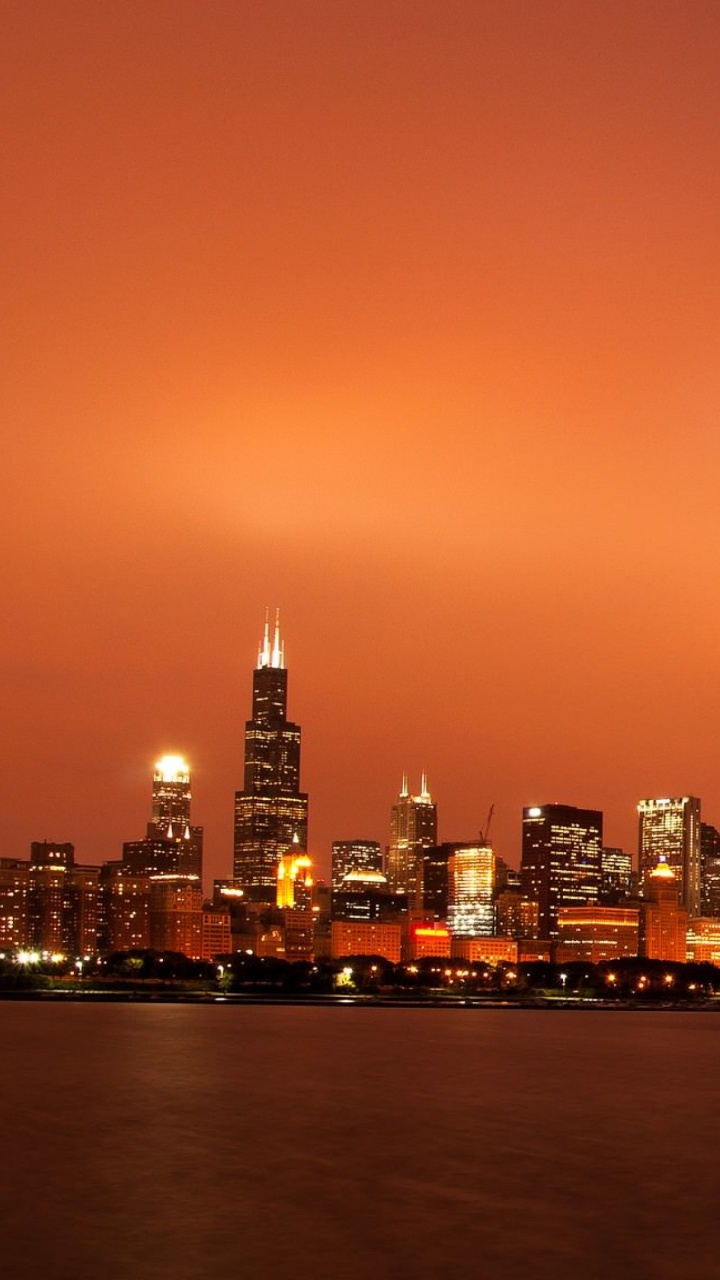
(272, 781)
(402, 319)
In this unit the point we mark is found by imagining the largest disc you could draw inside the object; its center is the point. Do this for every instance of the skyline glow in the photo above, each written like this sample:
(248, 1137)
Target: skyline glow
(402, 318)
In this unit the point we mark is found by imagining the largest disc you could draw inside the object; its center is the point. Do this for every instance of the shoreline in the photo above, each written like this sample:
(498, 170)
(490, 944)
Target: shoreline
(359, 1001)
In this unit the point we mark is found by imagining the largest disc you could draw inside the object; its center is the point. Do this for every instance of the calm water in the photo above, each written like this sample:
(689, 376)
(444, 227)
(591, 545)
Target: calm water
(172, 1142)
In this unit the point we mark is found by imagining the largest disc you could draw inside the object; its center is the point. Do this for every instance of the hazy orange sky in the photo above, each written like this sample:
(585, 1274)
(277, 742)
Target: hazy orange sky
(401, 315)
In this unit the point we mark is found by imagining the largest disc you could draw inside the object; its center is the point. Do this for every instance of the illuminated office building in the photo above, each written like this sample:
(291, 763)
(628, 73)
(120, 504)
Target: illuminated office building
(62, 901)
(172, 846)
(14, 876)
(471, 891)
(670, 829)
(413, 828)
(366, 938)
(709, 870)
(616, 879)
(271, 813)
(491, 951)
(509, 918)
(596, 933)
(294, 881)
(125, 908)
(153, 898)
(663, 919)
(366, 895)
(427, 938)
(354, 855)
(176, 914)
(703, 940)
(299, 933)
(216, 934)
(560, 860)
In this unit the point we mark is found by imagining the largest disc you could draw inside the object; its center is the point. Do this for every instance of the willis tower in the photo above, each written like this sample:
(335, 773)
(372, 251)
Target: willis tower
(270, 811)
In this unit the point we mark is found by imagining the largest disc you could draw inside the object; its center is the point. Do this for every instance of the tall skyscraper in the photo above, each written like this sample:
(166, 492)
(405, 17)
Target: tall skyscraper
(616, 879)
(669, 829)
(560, 860)
(171, 846)
(271, 812)
(170, 797)
(471, 885)
(663, 920)
(709, 870)
(413, 828)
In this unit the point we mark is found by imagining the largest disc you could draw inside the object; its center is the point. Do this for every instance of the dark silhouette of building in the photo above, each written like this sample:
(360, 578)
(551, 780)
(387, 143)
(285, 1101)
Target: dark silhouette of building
(709, 870)
(616, 878)
(271, 812)
(560, 860)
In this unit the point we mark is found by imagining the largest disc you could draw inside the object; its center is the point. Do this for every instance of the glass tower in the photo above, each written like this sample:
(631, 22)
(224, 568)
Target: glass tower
(413, 828)
(270, 812)
(561, 860)
(669, 828)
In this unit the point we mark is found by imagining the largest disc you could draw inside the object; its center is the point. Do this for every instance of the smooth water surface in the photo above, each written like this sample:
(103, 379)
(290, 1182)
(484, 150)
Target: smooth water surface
(175, 1142)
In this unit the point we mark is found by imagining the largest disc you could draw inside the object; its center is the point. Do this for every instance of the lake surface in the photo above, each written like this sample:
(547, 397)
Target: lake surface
(174, 1142)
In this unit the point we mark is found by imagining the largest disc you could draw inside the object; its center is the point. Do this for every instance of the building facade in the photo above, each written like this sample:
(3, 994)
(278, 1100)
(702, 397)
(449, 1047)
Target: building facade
(597, 933)
(354, 855)
(171, 845)
(663, 920)
(271, 812)
(471, 891)
(669, 829)
(560, 860)
(413, 828)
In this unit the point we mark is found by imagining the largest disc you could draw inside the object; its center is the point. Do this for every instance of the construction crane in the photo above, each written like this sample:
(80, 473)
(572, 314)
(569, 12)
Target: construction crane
(485, 833)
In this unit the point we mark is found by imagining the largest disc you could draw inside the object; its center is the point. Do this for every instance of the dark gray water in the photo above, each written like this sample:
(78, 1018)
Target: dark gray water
(172, 1142)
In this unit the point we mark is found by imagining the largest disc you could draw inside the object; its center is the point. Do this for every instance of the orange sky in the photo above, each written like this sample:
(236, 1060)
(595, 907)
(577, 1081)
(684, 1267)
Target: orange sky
(400, 314)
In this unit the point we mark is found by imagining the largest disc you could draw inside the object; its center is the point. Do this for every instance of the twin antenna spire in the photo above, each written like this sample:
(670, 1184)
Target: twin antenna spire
(424, 793)
(271, 656)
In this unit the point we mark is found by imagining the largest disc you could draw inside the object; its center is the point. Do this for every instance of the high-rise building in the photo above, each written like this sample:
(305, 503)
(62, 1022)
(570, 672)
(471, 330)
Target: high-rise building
(62, 901)
(669, 829)
(354, 855)
(616, 878)
(663, 920)
(125, 908)
(170, 797)
(413, 828)
(435, 880)
(271, 813)
(365, 895)
(154, 896)
(294, 881)
(176, 914)
(14, 892)
(471, 891)
(709, 869)
(560, 860)
(171, 845)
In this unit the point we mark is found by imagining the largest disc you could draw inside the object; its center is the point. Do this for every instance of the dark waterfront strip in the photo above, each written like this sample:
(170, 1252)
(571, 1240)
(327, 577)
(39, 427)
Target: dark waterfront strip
(360, 1001)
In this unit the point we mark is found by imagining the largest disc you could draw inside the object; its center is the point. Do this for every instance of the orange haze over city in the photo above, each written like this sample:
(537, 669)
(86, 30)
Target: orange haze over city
(400, 315)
